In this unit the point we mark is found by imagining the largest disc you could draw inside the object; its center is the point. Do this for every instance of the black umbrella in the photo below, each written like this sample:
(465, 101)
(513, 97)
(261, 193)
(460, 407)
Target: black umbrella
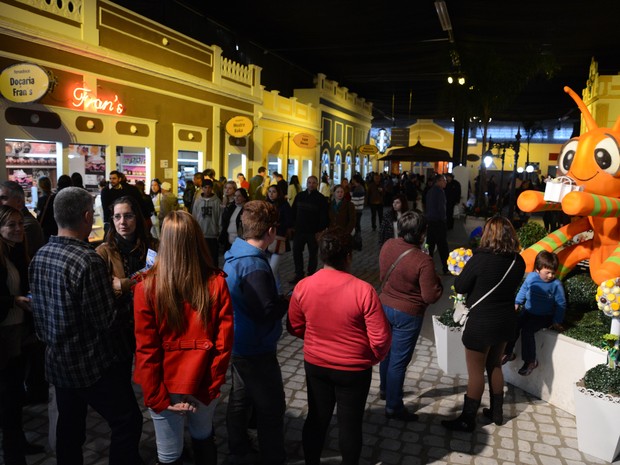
(417, 152)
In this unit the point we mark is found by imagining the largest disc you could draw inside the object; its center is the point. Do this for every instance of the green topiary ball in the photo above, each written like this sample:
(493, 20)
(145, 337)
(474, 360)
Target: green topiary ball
(603, 379)
(530, 233)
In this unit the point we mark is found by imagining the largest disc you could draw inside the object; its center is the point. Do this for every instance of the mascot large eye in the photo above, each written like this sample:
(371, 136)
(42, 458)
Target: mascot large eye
(607, 155)
(567, 155)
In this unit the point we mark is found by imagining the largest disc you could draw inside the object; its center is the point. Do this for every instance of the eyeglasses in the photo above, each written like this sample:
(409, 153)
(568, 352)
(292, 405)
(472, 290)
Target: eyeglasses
(127, 216)
(4, 198)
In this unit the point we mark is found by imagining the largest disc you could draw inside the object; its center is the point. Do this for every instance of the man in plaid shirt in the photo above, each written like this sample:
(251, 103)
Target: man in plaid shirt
(75, 315)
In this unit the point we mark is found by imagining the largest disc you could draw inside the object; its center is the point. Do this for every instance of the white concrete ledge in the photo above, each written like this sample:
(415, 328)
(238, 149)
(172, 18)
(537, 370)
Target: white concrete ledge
(562, 361)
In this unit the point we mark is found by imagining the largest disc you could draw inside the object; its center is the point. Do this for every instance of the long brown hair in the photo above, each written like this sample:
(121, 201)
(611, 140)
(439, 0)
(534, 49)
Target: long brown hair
(499, 236)
(181, 272)
(143, 237)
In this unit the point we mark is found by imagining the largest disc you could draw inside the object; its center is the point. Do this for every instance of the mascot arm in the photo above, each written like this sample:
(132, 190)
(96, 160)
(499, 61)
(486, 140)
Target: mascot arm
(553, 241)
(587, 204)
(533, 201)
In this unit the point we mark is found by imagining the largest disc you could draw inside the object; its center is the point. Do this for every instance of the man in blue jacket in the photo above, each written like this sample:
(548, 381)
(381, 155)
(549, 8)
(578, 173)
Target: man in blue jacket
(258, 311)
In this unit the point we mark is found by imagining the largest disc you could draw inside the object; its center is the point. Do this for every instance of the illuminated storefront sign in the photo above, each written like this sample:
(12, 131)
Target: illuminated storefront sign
(368, 149)
(24, 83)
(239, 126)
(305, 141)
(83, 98)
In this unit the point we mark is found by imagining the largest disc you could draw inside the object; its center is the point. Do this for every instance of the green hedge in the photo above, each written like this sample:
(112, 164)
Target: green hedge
(530, 233)
(603, 379)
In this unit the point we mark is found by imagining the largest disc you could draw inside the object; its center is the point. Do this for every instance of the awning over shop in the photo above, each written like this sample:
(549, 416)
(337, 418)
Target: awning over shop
(416, 153)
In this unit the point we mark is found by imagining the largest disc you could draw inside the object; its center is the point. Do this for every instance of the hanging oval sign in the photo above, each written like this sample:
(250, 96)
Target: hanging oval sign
(24, 83)
(472, 157)
(304, 140)
(368, 149)
(239, 126)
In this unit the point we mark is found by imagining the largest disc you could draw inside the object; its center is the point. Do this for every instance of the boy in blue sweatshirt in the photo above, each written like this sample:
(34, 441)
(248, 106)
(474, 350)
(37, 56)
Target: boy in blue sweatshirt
(542, 296)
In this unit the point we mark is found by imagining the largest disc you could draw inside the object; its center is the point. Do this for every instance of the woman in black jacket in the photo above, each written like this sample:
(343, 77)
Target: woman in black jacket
(492, 322)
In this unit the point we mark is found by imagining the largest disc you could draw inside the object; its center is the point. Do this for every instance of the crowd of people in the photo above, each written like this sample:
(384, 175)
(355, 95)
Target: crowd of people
(154, 290)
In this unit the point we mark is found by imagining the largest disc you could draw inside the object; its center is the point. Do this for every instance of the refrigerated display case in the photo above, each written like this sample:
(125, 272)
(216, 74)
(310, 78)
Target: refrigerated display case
(27, 161)
(132, 161)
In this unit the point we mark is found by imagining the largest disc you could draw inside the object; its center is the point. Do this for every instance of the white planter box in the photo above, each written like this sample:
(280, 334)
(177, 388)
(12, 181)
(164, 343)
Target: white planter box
(597, 417)
(562, 362)
(450, 350)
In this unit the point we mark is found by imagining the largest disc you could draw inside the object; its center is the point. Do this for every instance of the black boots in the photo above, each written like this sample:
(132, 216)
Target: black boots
(467, 420)
(496, 412)
(205, 452)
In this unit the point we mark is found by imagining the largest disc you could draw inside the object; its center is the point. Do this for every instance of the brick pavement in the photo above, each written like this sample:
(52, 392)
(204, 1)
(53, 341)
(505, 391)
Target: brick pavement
(535, 432)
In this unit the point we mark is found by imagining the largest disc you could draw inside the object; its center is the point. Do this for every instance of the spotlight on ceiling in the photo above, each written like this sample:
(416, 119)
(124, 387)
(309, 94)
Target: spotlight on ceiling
(461, 80)
(450, 79)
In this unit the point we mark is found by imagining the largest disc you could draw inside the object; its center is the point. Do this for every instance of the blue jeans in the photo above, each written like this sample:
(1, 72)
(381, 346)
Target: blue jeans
(169, 427)
(405, 331)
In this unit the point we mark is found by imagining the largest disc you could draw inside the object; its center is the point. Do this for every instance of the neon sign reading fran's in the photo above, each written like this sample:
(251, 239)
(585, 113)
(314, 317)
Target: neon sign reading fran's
(82, 97)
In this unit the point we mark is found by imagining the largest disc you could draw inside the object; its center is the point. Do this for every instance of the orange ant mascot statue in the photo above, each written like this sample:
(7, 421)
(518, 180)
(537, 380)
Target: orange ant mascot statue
(592, 162)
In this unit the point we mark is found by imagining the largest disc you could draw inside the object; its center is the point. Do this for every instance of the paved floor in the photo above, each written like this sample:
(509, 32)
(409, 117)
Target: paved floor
(535, 433)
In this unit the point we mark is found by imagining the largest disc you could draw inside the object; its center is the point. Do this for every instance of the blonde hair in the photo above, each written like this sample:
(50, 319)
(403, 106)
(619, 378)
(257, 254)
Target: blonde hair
(181, 272)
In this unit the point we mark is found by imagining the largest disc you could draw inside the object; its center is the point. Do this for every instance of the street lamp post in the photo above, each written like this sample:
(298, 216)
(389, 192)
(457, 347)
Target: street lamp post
(514, 147)
(502, 147)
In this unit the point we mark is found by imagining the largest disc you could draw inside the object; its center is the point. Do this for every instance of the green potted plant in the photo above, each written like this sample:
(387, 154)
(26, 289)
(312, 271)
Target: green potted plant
(448, 345)
(450, 350)
(597, 395)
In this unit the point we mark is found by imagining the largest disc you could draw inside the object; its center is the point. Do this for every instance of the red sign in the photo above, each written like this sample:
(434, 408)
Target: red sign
(83, 97)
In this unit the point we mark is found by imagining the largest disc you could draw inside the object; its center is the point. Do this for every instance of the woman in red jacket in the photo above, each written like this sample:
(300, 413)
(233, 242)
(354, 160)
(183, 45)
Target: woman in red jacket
(343, 339)
(184, 335)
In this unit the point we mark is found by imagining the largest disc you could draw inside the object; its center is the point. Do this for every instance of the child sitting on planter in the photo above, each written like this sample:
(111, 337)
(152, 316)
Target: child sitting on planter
(542, 296)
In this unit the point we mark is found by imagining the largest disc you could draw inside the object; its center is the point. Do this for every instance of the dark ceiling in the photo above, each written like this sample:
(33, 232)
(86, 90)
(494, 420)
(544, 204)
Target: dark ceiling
(396, 55)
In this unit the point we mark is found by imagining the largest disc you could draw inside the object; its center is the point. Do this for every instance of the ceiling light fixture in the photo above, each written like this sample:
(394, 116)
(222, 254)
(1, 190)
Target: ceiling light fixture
(444, 18)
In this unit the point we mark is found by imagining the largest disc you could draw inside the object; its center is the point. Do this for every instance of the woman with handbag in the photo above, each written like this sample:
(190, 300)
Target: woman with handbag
(409, 284)
(490, 279)
(280, 245)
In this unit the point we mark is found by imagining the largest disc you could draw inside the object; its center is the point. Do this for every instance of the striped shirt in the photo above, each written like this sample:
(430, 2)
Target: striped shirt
(75, 313)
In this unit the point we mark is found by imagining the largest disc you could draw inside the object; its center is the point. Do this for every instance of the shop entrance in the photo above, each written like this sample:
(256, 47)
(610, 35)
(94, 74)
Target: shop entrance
(135, 163)
(188, 164)
(292, 168)
(89, 162)
(306, 170)
(274, 164)
(237, 163)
